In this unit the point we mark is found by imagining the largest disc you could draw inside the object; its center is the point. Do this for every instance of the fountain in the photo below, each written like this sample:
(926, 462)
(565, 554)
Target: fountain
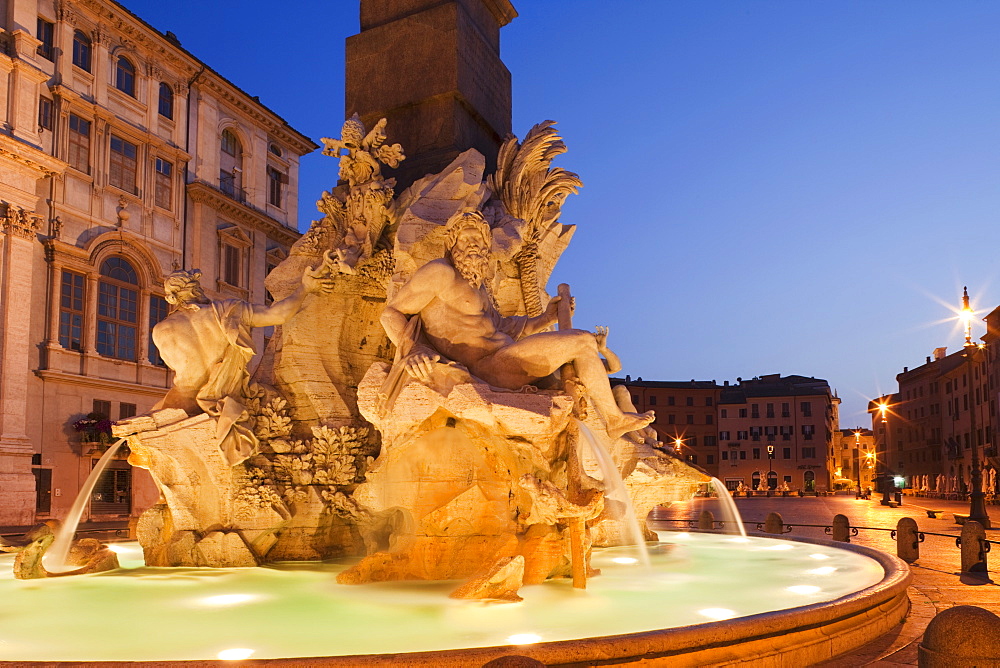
(416, 421)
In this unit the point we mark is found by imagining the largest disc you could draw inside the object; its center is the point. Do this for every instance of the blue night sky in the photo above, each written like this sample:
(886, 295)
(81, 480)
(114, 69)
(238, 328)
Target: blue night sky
(794, 187)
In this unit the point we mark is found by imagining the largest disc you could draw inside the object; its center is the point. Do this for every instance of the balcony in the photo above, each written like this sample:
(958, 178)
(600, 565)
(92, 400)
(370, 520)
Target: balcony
(227, 184)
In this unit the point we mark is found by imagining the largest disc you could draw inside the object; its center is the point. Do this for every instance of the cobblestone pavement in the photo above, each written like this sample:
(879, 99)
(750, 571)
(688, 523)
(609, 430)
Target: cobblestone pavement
(936, 585)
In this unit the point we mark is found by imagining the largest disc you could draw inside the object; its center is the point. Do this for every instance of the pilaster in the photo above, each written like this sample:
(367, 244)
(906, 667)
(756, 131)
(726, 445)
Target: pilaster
(18, 232)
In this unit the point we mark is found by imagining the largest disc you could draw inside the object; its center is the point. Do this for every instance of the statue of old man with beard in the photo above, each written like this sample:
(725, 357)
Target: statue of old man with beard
(444, 310)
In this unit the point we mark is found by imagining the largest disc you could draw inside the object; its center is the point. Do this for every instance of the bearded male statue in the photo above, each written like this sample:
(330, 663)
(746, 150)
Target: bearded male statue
(208, 344)
(444, 310)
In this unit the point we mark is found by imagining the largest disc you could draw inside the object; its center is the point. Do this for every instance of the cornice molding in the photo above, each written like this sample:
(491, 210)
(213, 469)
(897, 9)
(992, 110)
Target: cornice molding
(30, 157)
(202, 193)
(49, 375)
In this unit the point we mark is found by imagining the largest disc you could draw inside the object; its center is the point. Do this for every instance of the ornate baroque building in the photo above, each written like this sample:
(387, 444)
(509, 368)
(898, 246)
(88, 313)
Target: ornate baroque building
(123, 157)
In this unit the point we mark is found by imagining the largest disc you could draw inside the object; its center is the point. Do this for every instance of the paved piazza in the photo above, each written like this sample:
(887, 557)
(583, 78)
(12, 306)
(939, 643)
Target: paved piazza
(936, 583)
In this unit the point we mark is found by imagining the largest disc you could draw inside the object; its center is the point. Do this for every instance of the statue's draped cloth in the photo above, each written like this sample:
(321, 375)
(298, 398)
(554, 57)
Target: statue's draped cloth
(224, 394)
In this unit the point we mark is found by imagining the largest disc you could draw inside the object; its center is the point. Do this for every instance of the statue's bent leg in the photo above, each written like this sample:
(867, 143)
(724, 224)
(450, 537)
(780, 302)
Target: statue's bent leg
(538, 355)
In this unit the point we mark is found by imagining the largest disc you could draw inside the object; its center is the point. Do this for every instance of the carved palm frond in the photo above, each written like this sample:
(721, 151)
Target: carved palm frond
(533, 191)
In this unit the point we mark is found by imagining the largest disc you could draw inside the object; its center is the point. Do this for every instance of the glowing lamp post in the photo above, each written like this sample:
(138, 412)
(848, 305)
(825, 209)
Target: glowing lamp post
(977, 502)
(883, 410)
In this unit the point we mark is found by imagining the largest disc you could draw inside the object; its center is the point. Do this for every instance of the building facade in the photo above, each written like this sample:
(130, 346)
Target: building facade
(125, 157)
(768, 433)
(853, 464)
(686, 417)
(777, 433)
(946, 407)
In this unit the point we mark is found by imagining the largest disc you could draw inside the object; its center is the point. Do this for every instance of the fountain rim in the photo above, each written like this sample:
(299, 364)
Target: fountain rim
(841, 624)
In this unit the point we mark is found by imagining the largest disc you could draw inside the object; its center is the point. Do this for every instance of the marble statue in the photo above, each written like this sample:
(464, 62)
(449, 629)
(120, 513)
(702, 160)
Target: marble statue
(208, 345)
(418, 411)
(452, 315)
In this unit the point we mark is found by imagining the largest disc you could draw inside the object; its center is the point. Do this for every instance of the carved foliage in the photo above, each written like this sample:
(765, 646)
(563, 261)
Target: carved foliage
(332, 462)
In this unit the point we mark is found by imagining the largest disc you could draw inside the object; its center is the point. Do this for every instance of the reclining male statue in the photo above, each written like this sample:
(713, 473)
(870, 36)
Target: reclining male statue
(453, 313)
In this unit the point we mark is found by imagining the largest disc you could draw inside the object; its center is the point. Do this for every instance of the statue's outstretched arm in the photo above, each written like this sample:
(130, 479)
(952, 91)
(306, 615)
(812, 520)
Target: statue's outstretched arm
(319, 279)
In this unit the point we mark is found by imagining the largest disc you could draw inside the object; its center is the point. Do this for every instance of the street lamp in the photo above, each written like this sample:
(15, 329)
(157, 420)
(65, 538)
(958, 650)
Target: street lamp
(770, 460)
(977, 498)
(883, 410)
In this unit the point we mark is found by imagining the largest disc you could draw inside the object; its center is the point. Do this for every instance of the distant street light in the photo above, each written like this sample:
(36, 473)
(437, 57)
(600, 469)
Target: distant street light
(977, 498)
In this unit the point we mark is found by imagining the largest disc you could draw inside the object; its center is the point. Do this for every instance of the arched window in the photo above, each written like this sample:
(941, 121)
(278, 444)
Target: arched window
(117, 309)
(166, 101)
(231, 165)
(81, 50)
(125, 76)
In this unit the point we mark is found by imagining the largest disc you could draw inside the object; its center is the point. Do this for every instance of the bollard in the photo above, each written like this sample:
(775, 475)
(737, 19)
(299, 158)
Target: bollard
(706, 521)
(841, 528)
(774, 524)
(907, 540)
(961, 637)
(973, 544)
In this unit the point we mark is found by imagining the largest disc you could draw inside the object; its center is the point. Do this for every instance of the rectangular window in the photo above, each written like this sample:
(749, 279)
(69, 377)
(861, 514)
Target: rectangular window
(671, 418)
(709, 419)
(652, 400)
(231, 271)
(743, 454)
(724, 435)
(126, 411)
(690, 419)
(710, 441)
(806, 408)
(754, 411)
(164, 183)
(725, 454)
(756, 453)
(102, 407)
(709, 459)
(71, 311)
(786, 453)
(743, 412)
(79, 144)
(809, 453)
(725, 413)
(123, 164)
(274, 180)
(45, 113)
(45, 33)
(769, 410)
(742, 435)
(807, 431)
(670, 401)
(690, 401)
(786, 410)
(157, 312)
(708, 401)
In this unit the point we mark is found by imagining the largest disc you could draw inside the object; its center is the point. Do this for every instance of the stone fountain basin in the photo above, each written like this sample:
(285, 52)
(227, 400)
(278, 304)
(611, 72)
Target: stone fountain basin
(286, 614)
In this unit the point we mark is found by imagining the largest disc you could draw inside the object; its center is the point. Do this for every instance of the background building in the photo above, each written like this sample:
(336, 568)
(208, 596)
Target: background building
(776, 432)
(925, 432)
(853, 464)
(124, 157)
(686, 416)
(769, 432)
